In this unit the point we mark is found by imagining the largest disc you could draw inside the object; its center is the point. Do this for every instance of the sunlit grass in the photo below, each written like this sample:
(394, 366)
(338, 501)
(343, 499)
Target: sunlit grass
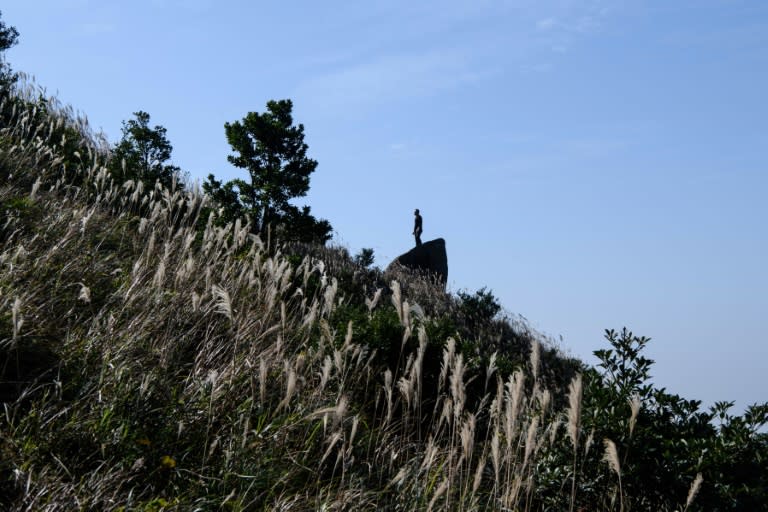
(162, 361)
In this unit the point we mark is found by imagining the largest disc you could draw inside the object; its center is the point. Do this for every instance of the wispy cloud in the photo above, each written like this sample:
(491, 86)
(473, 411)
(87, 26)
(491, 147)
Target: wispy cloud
(440, 49)
(563, 25)
(98, 28)
(546, 24)
(391, 77)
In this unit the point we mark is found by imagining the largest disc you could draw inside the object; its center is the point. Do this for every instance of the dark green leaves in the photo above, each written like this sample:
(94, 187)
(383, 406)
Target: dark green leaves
(272, 150)
(142, 153)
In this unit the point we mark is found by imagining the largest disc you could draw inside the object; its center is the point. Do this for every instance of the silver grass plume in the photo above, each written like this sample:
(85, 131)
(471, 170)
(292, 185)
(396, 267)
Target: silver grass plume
(330, 296)
(574, 410)
(611, 456)
(223, 301)
(467, 436)
(325, 372)
(17, 319)
(290, 388)
(496, 455)
(372, 302)
(352, 434)
(429, 454)
(588, 442)
(693, 491)
(262, 380)
(491, 368)
(397, 299)
(554, 427)
(458, 391)
(479, 474)
(535, 358)
(157, 281)
(405, 386)
(530, 440)
(85, 294)
(335, 438)
(35, 188)
(439, 492)
(340, 410)
(514, 396)
(388, 392)
(634, 405)
(448, 354)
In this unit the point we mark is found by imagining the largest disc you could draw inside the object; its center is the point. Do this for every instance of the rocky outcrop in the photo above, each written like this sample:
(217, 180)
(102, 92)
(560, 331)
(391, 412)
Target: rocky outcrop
(428, 257)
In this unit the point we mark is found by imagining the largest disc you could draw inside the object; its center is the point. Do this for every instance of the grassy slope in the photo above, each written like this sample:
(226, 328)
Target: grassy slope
(149, 363)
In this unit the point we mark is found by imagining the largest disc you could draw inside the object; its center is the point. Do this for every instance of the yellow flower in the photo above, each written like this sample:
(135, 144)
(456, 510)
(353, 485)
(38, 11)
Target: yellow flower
(167, 461)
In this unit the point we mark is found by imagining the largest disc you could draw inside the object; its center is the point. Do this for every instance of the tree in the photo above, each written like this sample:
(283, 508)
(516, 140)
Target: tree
(365, 257)
(142, 153)
(272, 149)
(8, 38)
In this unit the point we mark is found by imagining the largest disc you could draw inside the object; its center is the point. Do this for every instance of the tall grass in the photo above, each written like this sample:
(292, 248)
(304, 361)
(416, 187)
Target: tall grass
(150, 363)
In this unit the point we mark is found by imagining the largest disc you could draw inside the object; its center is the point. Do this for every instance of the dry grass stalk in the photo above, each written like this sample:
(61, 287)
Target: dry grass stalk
(535, 358)
(574, 410)
(574, 427)
(611, 456)
(634, 405)
(693, 491)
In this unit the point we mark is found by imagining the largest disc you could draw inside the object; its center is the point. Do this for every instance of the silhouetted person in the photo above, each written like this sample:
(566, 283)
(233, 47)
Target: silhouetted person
(417, 227)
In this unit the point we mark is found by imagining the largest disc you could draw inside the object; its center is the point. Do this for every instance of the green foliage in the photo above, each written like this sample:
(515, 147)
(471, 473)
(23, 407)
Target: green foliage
(8, 38)
(663, 446)
(365, 257)
(380, 329)
(478, 309)
(142, 154)
(273, 152)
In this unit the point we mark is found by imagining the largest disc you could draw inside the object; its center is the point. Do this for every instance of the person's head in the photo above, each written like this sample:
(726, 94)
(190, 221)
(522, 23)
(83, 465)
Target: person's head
(416, 211)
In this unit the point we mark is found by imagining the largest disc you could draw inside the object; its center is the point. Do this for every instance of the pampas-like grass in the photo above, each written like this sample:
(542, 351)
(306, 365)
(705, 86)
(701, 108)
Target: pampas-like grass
(374, 301)
(693, 491)
(535, 358)
(634, 405)
(574, 411)
(611, 456)
(397, 300)
(574, 427)
(16, 317)
(237, 386)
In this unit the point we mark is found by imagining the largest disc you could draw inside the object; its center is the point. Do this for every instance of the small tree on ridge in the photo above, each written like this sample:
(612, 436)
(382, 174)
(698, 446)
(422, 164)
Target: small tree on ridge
(272, 149)
(8, 38)
(142, 153)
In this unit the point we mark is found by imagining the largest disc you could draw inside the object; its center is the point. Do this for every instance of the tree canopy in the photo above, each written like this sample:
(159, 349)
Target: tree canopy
(272, 150)
(142, 153)
(8, 35)
(8, 38)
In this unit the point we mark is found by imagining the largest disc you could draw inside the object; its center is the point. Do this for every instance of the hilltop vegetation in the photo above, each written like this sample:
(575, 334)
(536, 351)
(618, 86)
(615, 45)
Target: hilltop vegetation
(157, 353)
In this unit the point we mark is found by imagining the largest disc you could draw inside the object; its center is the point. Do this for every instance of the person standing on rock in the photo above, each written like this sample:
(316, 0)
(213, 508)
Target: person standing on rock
(417, 227)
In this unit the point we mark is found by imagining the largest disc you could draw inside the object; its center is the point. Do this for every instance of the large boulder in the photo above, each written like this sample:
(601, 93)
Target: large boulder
(428, 257)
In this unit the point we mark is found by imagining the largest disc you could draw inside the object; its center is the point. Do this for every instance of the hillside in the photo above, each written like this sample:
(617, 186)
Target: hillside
(152, 358)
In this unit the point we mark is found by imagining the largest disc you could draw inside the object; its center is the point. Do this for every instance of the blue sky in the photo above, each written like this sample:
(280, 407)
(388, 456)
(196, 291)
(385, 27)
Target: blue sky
(596, 164)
